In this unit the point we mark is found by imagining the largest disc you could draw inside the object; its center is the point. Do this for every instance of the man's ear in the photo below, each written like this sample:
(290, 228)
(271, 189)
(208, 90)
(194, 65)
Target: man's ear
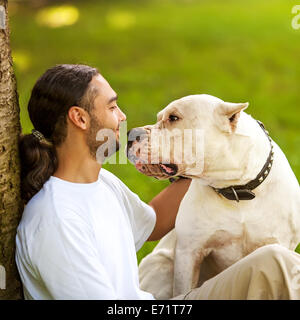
(78, 117)
(228, 114)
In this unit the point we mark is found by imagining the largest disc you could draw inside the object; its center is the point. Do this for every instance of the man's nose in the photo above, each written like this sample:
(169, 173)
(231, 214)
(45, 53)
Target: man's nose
(122, 115)
(136, 134)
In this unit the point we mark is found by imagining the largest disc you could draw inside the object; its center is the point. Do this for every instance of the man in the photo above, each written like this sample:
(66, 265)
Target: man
(82, 226)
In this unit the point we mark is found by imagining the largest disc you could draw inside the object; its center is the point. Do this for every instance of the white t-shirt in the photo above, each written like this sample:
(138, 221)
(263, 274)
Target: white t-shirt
(79, 241)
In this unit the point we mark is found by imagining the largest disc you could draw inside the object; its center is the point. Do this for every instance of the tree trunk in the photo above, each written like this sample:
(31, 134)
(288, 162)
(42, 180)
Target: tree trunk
(10, 202)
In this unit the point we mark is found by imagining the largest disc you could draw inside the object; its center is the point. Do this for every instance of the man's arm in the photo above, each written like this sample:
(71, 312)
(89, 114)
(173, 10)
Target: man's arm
(166, 205)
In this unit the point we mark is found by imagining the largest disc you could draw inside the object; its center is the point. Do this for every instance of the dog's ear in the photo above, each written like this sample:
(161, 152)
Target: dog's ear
(228, 115)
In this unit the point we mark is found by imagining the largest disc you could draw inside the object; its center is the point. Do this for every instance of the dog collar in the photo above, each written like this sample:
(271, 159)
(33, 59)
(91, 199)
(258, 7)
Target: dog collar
(244, 192)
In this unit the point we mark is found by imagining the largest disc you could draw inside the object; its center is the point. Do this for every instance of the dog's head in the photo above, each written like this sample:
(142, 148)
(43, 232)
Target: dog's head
(193, 136)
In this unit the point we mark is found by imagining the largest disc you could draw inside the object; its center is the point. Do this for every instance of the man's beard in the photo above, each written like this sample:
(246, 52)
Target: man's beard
(113, 145)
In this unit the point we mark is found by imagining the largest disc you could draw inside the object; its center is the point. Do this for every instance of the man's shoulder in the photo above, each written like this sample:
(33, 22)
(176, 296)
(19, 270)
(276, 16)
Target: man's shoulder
(40, 202)
(48, 206)
(107, 175)
(110, 179)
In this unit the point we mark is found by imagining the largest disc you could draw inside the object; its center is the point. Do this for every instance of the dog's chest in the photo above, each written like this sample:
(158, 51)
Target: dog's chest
(225, 229)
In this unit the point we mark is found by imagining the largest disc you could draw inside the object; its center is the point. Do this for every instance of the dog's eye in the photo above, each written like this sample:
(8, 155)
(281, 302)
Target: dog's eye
(173, 118)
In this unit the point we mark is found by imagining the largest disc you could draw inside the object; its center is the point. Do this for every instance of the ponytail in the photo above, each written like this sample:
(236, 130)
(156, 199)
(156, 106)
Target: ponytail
(38, 163)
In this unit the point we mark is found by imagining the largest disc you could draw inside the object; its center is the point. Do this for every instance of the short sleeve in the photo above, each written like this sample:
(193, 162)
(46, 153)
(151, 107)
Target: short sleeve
(69, 265)
(142, 216)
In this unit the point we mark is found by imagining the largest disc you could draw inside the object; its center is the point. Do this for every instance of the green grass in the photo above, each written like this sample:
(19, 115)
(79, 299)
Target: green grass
(153, 52)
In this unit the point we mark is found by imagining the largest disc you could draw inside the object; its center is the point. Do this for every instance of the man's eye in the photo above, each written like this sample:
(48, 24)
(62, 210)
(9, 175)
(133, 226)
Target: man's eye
(173, 118)
(114, 107)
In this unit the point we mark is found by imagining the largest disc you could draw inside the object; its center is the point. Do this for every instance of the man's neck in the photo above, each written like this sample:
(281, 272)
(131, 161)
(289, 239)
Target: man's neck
(76, 166)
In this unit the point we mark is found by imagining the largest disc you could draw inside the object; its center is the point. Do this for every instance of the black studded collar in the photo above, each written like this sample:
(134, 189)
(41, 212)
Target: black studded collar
(244, 192)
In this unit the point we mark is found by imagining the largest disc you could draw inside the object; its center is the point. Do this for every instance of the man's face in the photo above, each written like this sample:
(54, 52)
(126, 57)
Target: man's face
(105, 115)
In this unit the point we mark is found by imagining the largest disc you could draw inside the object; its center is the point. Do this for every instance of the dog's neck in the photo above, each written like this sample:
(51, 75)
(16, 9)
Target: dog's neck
(250, 149)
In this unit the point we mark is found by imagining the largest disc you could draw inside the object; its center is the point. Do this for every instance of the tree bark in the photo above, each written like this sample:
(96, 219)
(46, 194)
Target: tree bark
(10, 201)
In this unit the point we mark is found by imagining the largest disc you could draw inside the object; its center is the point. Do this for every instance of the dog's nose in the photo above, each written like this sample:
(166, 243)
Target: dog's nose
(135, 134)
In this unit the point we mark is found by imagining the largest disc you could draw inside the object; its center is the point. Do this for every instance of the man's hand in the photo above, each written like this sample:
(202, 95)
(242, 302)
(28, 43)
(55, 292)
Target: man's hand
(166, 205)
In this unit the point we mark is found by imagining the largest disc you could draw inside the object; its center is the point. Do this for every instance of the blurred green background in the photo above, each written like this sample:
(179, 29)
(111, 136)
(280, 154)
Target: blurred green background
(155, 51)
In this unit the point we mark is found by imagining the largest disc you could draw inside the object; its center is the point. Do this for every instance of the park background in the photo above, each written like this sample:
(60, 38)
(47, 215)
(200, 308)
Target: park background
(155, 51)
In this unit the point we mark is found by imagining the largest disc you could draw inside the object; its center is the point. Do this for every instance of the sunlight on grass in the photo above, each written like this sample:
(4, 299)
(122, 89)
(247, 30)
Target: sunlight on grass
(21, 59)
(58, 16)
(121, 19)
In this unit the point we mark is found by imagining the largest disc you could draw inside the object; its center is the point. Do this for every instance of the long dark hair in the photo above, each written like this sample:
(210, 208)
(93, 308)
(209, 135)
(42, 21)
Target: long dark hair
(59, 88)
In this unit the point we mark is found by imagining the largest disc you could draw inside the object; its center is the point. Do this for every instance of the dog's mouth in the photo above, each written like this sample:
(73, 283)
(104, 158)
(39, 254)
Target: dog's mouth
(170, 169)
(157, 170)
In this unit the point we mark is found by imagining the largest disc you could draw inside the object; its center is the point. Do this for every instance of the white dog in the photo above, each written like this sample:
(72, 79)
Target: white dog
(243, 194)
